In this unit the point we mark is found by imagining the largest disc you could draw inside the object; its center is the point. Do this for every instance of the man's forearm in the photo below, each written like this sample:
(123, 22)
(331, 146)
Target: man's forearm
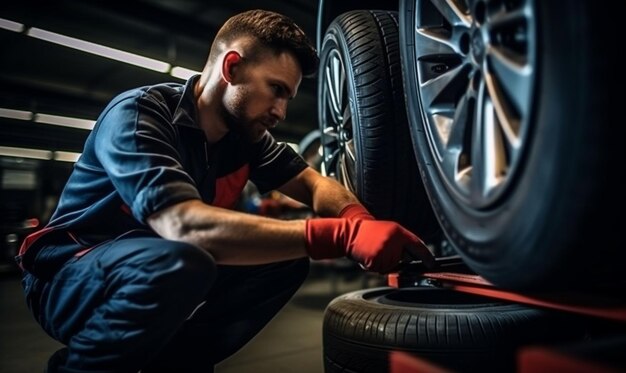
(323, 194)
(330, 197)
(232, 237)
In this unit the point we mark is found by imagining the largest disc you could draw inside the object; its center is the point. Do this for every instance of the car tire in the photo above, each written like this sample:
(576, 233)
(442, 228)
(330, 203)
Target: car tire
(511, 109)
(452, 330)
(365, 135)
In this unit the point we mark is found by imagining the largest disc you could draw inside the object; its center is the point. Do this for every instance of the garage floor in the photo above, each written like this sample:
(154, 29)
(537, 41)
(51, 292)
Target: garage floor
(292, 341)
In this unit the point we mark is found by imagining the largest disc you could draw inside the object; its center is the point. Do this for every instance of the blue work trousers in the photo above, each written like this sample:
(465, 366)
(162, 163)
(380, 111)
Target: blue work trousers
(149, 304)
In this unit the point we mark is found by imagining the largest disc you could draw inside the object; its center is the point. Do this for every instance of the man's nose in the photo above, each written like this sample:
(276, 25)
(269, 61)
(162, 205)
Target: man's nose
(279, 109)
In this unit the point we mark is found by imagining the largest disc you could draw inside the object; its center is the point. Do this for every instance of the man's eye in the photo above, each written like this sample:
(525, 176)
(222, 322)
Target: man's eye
(277, 89)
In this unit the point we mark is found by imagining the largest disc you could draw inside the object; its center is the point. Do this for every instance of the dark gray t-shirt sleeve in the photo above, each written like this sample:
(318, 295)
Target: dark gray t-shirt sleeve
(136, 144)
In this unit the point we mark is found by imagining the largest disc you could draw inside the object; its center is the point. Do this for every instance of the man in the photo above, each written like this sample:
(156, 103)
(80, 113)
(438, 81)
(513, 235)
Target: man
(143, 266)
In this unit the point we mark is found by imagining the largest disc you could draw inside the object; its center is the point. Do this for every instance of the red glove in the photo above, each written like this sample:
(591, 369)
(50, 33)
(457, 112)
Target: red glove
(377, 245)
(355, 211)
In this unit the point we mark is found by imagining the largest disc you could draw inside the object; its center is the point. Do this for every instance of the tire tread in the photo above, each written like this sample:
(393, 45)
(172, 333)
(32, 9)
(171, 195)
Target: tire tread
(388, 181)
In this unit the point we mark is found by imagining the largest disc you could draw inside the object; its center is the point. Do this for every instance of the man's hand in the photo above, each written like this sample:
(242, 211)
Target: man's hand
(377, 245)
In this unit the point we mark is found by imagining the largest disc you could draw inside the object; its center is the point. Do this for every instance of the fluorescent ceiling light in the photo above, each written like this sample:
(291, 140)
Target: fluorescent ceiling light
(64, 121)
(100, 50)
(8, 151)
(25, 153)
(11, 26)
(66, 156)
(16, 114)
(47, 119)
(182, 73)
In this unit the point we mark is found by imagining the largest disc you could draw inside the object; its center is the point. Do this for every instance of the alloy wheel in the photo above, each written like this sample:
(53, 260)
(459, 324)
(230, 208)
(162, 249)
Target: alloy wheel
(476, 71)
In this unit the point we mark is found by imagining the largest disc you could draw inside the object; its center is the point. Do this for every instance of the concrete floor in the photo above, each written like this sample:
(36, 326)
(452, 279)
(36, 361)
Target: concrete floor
(291, 342)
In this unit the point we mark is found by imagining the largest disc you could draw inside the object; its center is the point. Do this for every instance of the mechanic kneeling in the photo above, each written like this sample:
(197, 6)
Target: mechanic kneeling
(143, 265)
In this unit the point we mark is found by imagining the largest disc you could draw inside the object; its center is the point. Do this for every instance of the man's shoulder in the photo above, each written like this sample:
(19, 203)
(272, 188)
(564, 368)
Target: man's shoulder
(159, 92)
(165, 95)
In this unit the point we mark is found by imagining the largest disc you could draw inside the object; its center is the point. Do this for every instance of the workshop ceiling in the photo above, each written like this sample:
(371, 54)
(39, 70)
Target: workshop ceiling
(42, 77)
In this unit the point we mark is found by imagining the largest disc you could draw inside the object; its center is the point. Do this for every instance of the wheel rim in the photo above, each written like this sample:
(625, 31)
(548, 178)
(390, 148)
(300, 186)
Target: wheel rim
(339, 159)
(476, 70)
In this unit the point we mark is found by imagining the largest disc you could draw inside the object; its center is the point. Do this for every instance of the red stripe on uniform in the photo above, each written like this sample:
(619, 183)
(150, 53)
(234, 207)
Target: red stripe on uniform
(228, 188)
(30, 239)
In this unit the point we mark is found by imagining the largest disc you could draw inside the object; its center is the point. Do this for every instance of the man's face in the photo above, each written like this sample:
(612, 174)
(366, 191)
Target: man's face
(257, 98)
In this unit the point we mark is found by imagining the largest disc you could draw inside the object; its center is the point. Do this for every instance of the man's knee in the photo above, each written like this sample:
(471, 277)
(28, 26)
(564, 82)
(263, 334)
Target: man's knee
(189, 264)
(157, 262)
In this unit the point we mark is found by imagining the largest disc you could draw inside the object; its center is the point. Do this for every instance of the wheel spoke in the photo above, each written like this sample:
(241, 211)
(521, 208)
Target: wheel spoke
(333, 100)
(330, 136)
(494, 161)
(514, 76)
(476, 174)
(452, 12)
(347, 117)
(329, 110)
(437, 36)
(349, 150)
(507, 19)
(442, 124)
(433, 42)
(433, 89)
(461, 119)
(455, 164)
(507, 118)
(489, 156)
(346, 174)
(339, 81)
(335, 81)
(331, 162)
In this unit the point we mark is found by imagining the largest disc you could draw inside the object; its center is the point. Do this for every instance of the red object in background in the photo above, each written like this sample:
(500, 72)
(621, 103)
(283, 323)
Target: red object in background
(30, 223)
(401, 362)
(544, 360)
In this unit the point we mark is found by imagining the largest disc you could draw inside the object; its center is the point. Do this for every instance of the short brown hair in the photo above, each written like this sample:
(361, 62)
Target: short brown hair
(274, 31)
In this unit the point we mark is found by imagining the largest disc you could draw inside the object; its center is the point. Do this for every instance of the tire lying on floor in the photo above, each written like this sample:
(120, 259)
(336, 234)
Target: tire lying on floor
(457, 331)
(365, 133)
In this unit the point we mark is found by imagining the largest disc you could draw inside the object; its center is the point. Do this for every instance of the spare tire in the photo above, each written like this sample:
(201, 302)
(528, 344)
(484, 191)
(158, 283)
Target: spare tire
(365, 133)
(453, 330)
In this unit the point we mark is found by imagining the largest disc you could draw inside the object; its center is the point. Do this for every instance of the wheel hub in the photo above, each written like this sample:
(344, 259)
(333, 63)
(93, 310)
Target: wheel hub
(344, 136)
(478, 46)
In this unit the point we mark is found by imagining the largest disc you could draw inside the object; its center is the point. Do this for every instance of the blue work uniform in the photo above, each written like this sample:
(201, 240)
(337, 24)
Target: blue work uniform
(122, 298)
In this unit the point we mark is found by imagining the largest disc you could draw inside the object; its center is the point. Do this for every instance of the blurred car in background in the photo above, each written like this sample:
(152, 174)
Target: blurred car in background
(12, 234)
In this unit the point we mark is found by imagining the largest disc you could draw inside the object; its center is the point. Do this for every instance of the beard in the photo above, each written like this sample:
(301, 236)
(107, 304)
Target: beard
(237, 120)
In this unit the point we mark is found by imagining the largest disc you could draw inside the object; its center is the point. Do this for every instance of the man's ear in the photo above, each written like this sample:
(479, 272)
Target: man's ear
(230, 62)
